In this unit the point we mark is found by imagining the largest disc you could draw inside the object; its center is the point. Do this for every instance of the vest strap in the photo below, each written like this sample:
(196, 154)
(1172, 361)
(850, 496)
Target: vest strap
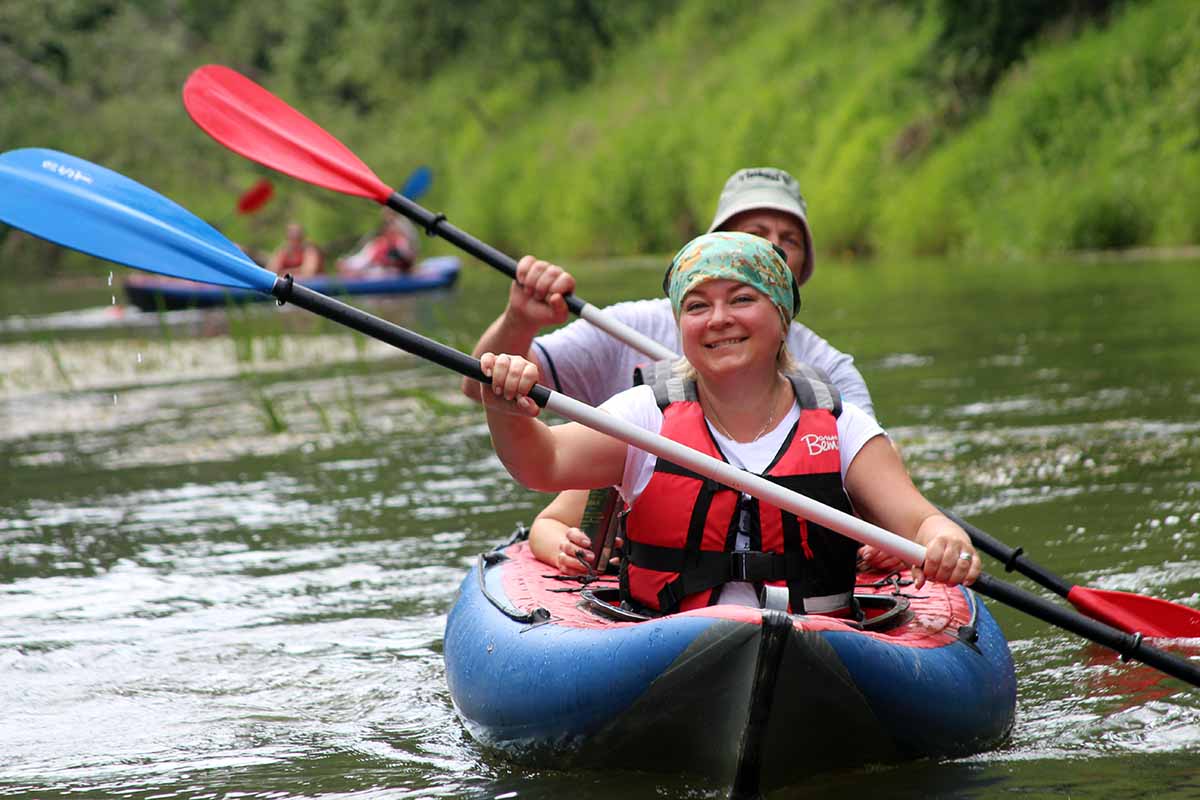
(707, 569)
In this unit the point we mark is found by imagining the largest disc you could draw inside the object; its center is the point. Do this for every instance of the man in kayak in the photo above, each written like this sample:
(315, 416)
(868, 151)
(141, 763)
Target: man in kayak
(589, 364)
(390, 251)
(297, 256)
(737, 395)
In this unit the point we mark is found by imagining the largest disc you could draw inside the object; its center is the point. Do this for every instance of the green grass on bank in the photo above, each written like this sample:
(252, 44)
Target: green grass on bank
(1091, 141)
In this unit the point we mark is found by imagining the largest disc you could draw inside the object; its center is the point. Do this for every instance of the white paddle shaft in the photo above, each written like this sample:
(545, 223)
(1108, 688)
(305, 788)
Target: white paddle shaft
(626, 334)
(860, 530)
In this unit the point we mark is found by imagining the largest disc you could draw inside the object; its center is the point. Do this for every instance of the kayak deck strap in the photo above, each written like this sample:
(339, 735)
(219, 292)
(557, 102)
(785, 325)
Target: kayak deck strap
(488, 560)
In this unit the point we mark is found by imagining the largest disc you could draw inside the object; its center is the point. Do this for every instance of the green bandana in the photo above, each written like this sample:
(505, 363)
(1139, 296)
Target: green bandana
(740, 257)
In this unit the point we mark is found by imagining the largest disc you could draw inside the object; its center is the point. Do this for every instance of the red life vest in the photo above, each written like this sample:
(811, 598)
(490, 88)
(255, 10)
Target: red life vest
(293, 257)
(681, 532)
(392, 250)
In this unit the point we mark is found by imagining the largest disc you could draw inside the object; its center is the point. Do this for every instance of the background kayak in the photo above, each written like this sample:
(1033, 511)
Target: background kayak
(151, 292)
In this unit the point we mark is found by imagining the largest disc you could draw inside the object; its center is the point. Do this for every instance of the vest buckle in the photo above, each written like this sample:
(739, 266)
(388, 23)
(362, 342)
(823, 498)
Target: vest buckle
(750, 566)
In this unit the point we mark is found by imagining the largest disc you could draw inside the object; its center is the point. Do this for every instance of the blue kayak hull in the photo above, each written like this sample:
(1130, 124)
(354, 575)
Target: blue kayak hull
(151, 293)
(685, 694)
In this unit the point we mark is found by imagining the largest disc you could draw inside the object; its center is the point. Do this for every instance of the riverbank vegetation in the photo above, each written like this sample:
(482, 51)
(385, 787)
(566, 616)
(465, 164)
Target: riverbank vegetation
(583, 128)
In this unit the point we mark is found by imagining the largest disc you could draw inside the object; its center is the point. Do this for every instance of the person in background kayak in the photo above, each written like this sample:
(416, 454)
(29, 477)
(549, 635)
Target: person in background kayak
(297, 256)
(590, 365)
(393, 249)
(738, 395)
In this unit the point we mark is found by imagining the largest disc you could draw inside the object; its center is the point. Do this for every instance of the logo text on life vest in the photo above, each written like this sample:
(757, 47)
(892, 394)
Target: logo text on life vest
(65, 171)
(819, 444)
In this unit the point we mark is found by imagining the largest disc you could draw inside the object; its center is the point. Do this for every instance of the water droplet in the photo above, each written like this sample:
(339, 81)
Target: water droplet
(1172, 520)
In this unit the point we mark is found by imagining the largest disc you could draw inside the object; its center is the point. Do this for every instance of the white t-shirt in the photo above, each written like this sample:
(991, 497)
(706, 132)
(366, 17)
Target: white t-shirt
(584, 362)
(638, 407)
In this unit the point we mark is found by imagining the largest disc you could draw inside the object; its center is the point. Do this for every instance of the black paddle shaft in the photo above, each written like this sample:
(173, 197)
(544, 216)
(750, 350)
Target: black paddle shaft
(1011, 558)
(287, 291)
(436, 225)
(1128, 645)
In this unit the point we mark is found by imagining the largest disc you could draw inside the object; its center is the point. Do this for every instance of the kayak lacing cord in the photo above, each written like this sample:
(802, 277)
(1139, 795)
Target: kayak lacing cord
(584, 581)
(893, 580)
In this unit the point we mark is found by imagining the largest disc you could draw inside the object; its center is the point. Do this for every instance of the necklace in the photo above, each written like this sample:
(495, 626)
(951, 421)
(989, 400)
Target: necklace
(711, 415)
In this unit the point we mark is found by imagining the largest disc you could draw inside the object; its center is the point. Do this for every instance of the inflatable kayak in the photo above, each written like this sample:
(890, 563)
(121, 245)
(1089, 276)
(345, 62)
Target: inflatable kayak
(152, 292)
(545, 667)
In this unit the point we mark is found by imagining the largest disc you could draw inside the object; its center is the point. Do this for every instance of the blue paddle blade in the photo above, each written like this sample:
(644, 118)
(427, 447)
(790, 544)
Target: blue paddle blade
(83, 206)
(417, 183)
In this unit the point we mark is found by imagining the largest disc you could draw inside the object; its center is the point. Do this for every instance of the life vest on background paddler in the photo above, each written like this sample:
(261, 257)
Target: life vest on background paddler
(681, 532)
(293, 257)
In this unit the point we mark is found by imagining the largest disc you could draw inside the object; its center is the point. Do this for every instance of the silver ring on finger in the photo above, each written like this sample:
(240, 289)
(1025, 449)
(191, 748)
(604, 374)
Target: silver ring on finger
(964, 556)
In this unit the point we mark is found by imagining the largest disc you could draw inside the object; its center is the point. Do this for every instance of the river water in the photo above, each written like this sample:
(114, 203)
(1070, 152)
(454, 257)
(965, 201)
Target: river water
(229, 539)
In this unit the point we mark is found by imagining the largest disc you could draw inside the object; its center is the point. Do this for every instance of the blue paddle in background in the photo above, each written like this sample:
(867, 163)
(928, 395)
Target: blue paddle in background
(418, 183)
(77, 204)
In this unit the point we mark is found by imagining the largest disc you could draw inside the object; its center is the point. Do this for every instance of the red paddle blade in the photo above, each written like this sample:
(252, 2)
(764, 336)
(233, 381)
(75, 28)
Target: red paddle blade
(255, 197)
(254, 123)
(1135, 613)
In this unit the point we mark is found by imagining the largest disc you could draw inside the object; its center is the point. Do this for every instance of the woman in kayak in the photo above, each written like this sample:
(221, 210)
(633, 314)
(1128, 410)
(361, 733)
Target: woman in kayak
(736, 395)
(584, 362)
(297, 256)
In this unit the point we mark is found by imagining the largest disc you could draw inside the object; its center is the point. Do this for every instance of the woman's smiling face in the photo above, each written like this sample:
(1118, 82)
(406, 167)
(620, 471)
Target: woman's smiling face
(726, 326)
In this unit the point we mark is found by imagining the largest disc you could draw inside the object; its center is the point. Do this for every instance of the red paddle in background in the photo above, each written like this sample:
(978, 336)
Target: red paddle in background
(252, 122)
(255, 197)
(249, 201)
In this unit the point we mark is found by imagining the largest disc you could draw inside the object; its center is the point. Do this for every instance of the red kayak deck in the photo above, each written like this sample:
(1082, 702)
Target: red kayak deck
(936, 612)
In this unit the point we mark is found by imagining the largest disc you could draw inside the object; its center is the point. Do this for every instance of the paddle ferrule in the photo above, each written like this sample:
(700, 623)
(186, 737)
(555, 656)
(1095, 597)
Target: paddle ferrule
(437, 225)
(1012, 558)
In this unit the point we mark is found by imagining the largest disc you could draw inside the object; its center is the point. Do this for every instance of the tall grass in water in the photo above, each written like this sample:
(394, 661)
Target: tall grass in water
(254, 335)
(350, 406)
(268, 408)
(56, 360)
